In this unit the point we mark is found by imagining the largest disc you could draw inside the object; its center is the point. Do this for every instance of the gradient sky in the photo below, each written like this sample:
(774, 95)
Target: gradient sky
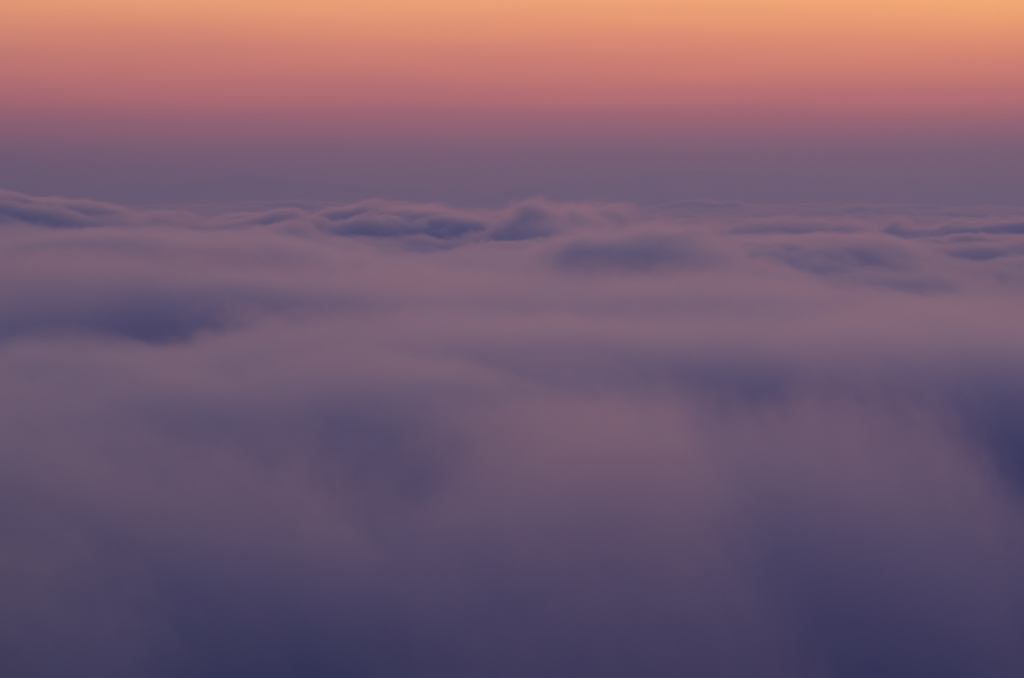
(623, 76)
(876, 56)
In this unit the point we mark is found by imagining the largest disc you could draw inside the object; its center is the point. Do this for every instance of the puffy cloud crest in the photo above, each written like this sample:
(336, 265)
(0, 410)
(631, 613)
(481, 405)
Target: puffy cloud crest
(58, 212)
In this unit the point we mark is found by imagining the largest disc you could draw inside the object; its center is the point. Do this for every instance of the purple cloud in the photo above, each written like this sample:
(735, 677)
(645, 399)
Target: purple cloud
(552, 439)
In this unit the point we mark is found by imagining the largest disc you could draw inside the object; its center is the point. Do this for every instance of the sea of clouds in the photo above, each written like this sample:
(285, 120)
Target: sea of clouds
(550, 440)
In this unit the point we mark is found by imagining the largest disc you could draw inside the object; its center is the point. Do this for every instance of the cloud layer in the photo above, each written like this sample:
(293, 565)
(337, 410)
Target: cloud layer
(390, 439)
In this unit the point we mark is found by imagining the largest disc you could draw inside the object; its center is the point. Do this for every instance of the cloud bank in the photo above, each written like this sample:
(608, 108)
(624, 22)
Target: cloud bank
(390, 439)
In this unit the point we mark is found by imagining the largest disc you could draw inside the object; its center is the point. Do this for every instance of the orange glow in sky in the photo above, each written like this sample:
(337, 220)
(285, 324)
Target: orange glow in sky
(874, 57)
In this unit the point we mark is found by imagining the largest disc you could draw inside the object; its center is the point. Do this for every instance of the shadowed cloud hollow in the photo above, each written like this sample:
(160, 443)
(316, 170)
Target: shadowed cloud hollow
(554, 439)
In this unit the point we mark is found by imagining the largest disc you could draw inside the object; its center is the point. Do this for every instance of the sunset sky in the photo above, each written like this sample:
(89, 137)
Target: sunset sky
(727, 84)
(870, 57)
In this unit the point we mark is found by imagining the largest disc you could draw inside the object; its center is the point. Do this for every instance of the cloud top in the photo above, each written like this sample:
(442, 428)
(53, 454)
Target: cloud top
(549, 439)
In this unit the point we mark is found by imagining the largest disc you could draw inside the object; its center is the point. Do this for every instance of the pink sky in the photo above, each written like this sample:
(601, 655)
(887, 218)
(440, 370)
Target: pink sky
(924, 93)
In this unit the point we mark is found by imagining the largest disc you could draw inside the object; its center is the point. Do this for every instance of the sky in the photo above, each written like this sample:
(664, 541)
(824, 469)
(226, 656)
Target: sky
(886, 58)
(462, 339)
(474, 103)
